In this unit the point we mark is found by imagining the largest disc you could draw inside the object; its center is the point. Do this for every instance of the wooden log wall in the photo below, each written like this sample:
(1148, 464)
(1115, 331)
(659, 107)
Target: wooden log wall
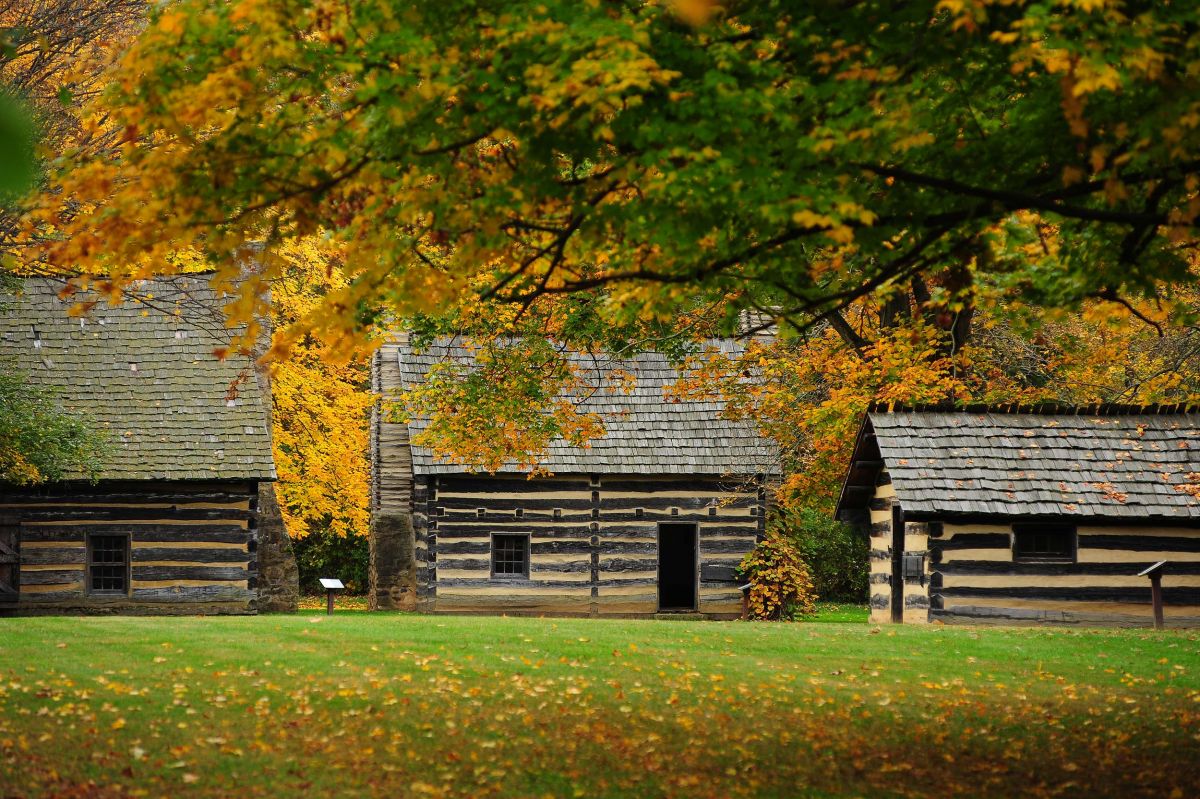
(916, 589)
(915, 592)
(879, 577)
(192, 545)
(974, 578)
(593, 541)
(424, 541)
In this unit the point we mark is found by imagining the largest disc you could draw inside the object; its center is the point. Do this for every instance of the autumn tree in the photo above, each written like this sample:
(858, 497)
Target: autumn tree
(53, 56)
(54, 59)
(871, 175)
(800, 155)
(321, 404)
(811, 390)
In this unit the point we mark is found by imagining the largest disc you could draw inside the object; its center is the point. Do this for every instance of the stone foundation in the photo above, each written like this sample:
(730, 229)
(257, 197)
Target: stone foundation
(278, 576)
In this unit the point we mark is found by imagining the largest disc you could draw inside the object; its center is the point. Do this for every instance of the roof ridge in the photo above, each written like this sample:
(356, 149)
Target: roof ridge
(1041, 409)
(65, 275)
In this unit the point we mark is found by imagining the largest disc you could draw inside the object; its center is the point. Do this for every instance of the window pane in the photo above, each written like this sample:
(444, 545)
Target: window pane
(1044, 542)
(510, 555)
(108, 567)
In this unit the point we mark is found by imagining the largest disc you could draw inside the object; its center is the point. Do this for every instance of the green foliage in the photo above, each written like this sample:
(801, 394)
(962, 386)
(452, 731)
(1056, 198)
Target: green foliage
(38, 441)
(666, 156)
(836, 554)
(508, 401)
(16, 148)
(792, 155)
(324, 553)
(780, 586)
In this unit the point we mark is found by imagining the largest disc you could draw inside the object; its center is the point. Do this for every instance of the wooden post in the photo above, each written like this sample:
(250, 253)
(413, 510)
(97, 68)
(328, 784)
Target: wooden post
(1155, 573)
(330, 585)
(1156, 599)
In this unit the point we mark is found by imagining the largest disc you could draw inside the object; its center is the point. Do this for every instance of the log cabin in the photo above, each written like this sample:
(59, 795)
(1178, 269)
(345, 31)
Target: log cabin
(1039, 514)
(169, 524)
(652, 518)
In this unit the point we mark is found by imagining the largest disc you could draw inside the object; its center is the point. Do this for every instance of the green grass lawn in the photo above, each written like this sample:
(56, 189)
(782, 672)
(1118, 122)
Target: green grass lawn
(838, 612)
(826, 611)
(408, 706)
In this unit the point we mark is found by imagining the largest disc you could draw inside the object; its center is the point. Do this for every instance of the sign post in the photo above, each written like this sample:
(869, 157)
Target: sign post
(1155, 573)
(745, 589)
(330, 585)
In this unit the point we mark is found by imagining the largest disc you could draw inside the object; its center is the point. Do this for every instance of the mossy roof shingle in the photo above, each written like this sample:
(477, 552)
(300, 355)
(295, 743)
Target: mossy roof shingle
(145, 373)
(1114, 464)
(647, 433)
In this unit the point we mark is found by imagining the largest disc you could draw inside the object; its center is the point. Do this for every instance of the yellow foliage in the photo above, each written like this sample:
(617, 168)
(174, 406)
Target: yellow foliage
(321, 404)
(16, 469)
(780, 585)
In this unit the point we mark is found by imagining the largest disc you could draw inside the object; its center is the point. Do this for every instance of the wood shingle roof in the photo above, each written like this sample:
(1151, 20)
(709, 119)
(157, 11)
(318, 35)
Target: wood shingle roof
(646, 433)
(145, 372)
(1127, 463)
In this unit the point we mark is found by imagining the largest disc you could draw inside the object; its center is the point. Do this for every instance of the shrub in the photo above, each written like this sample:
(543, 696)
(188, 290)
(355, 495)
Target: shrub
(322, 553)
(39, 442)
(837, 555)
(780, 585)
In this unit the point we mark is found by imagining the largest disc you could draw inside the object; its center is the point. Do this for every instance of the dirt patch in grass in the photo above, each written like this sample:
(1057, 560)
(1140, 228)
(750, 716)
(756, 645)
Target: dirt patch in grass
(340, 602)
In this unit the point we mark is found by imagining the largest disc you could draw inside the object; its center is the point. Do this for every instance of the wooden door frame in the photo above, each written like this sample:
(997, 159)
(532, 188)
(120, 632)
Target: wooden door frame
(695, 565)
(897, 583)
(10, 525)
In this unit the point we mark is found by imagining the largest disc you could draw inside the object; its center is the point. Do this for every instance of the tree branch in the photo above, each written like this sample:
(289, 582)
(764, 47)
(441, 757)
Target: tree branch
(1015, 200)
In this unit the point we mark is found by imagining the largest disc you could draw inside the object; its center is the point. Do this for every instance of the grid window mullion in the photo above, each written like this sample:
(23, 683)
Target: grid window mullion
(108, 563)
(510, 555)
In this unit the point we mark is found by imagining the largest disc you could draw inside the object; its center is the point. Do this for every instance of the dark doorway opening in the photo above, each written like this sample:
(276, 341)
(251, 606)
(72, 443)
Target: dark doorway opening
(677, 566)
(897, 563)
(10, 565)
